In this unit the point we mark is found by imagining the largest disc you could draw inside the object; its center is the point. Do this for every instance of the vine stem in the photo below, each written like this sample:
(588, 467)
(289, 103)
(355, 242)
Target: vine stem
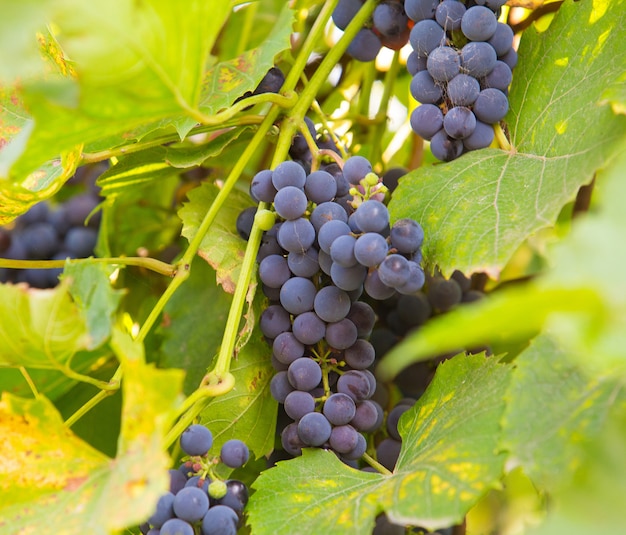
(381, 115)
(149, 263)
(375, 464)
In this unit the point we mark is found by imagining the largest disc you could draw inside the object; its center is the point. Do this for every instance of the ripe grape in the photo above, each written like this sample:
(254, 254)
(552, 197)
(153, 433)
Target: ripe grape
(443, 63)
(348, 279)
(491, 105)
(360, 355)
(444, 147)
(288, 174)
(290, 202)
(463, 90)
(343, 438)
(234, 453)
(220, 520)
(427, 120)
(274, 271)
(372, 216)
(370, 249)
(327, 211)
(308, 328)
(196, 440)
(176, 526)
(345, 12)
(341, 334)
(329, 231)
(424, 89)
(273, 321)
(191, 504)
(331, 304)
(298, 403)
(459, 122)
(406, 236)
(262, 188)
(479, 23)
(365, 45)
(478, 59)
(339, 409)
(481, 137)
(304, 264)
(314, 429)
(502, 39)
(426, 35)
(164, 510)
(304, 374)
(287, 348)
(356, 168)
(355, 384)
(342, 250)
(320, 186)
(449, 14)
(420, 9)
(297, 235)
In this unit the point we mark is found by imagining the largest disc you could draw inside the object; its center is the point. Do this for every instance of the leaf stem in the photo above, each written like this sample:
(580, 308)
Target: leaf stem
(503, 142)
(375, 464)
(30, 381)
(376, 140)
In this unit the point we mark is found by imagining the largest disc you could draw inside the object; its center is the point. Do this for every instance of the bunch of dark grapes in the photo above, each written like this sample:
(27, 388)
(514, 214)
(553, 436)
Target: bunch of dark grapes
(461, 64)
(315, 264)
(198, 502)
(46, 232)
(398, 317)
(388, 27)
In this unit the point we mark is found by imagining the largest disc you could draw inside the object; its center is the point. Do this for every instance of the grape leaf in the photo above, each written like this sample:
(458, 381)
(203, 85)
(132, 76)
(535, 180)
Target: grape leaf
(593, 503)
(582, 298)
(40, 328)
(227, 80)
(91, 290)
(146, 63)
(478, 209)
(189, 156)
(248, 411)
(193, 325)
(548, 443)
(83, 491)
(448, 460)
(221, 247)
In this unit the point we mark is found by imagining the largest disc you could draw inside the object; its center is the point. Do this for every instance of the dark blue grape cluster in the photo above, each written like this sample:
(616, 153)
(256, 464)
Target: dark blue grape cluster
(397, 317)
(461, 64)
(198, 501)
(388, 27)
(324, 253)
(47, 232)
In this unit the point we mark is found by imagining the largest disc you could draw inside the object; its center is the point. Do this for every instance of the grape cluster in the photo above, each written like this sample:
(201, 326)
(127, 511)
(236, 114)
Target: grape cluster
(398, 317)
(199, 502)
(461, 64)
(46, 232)
(388, 27)
(322, 255)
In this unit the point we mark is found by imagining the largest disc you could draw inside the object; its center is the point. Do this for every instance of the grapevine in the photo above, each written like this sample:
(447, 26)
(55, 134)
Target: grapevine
(318, 267)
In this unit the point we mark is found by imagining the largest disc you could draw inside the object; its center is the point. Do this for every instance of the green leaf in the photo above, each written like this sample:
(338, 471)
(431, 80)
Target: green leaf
(227, 80)
(193, 325)
(448, 460)
(40, 328)
(248, 412)
(548, 444)
(146, 63)
(19, 25)
(83, 491)
(593, 503)
(221, 247)
(478, 209)
(190, 156)
(139, 216)
(92, 292)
